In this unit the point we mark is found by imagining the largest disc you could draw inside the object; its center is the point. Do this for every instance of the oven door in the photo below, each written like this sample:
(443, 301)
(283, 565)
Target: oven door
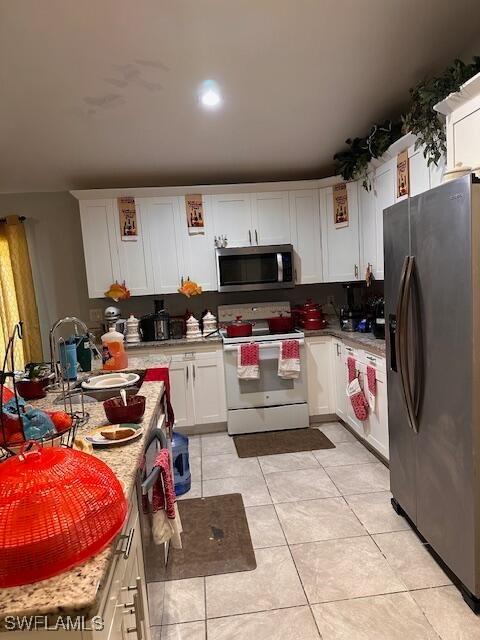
(253, 268)
(269, 390)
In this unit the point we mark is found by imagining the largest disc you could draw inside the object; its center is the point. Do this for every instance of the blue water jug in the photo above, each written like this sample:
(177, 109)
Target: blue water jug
(181, 465)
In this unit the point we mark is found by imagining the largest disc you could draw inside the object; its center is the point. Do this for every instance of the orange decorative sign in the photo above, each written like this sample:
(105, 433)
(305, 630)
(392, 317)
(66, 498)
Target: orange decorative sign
(340, 205)
(403, 177)
(128, 218)
(195, 219)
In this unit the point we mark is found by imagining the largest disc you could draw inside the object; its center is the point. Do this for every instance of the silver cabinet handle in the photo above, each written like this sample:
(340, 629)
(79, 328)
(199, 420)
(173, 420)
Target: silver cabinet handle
(250, 236)
(193, 373)
(256, 236)
(356, 271)
(126, 552)
(138, 628)
(295, 274)
(187, 368)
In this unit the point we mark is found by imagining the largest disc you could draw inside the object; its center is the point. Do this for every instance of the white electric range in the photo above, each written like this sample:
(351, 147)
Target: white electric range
(269, 403)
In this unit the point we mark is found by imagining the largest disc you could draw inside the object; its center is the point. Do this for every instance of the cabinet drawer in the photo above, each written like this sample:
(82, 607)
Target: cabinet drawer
(374, 361)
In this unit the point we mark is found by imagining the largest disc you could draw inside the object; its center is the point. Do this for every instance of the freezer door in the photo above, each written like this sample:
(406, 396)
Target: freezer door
(396, 238)
(441, 243)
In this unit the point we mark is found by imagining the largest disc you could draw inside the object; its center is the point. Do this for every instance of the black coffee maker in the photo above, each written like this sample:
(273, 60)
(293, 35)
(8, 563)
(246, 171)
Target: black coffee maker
(350, 314)
(155, 326)
(378, 324)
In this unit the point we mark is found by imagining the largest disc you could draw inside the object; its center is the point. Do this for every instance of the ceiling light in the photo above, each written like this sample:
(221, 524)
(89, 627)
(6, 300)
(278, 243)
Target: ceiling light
(210, 96)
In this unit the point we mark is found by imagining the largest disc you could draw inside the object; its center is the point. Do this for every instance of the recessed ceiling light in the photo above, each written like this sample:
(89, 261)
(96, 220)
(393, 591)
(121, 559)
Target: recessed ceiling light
(210, 96)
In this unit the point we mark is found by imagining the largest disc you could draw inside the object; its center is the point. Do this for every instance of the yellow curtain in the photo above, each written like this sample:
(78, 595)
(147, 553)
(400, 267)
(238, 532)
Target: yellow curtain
(17, 295)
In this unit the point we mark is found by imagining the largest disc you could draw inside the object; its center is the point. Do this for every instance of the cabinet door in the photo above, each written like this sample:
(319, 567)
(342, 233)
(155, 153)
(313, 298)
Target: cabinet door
(378, 419)
(358, 426)
(340, 380)
(209, 388)
(271, 218)
(162, 222)
(368, 230)
(199, 249)
(419, 173)
(99, 245)
(384, 197)
(136, 266)
(340, 245)
(181, 392)
(232, 214)
(319, 370)
(306, 236)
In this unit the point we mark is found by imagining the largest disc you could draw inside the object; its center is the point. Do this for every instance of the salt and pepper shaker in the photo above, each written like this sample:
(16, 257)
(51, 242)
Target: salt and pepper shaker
(193, 329)
(209, 324)
(133, 332)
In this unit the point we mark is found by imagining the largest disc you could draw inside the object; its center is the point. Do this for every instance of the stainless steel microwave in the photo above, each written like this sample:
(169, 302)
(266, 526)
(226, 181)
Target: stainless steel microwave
(253, 268)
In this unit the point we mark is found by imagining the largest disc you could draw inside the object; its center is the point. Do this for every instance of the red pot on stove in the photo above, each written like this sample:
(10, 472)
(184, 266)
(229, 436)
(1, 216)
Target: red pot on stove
(281, 324)
(239, 329)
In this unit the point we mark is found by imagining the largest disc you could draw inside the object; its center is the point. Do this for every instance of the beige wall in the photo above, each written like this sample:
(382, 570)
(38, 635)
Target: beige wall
(56, 253)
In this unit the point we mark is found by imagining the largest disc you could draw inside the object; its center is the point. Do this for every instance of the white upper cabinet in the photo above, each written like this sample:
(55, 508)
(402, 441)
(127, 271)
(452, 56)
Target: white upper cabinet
(136, 267)
(340, 245)
(368, 230)
(99, 245)
(306, 235)
(384, 187)
(199, 249)
(232, 216)
(271, 218)
(162, 228)
(419, 172)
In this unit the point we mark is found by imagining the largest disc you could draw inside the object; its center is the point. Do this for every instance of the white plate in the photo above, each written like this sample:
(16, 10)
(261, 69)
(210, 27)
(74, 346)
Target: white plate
(111, 381)
(97, 440)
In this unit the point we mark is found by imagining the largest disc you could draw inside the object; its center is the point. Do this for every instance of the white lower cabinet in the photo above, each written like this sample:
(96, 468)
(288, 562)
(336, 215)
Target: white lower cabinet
(181, 391)
(340, 379)
(208, 382)
(197, 382)
(319, 376)
(327, 388)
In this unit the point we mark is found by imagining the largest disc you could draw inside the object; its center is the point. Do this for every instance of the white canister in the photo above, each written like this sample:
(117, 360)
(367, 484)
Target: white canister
(133, 331)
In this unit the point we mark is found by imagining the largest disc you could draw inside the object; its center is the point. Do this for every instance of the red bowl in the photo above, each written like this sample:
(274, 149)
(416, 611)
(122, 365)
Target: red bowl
(32, 389)
(118, 413)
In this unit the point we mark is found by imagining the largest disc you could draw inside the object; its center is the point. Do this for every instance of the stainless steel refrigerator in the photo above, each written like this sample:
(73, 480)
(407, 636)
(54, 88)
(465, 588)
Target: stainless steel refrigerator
(432, 298)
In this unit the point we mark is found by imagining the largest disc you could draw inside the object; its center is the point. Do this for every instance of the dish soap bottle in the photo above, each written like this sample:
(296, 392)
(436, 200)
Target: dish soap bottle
(114, 356)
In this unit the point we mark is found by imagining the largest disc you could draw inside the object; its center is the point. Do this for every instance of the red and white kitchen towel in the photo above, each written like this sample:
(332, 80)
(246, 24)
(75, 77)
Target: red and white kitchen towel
(355, 392)
(371, 387)
(289, 360)
(166, 523)
(248, 361)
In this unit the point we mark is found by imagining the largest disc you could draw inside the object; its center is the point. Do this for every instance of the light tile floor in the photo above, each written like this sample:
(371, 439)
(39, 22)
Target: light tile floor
(334, 561)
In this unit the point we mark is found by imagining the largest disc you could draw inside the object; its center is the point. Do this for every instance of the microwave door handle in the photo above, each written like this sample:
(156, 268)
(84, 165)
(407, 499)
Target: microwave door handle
(280, 267)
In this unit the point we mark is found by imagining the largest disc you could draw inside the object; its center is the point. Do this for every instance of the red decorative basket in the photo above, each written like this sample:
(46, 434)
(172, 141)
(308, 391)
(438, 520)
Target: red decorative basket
(58, 508)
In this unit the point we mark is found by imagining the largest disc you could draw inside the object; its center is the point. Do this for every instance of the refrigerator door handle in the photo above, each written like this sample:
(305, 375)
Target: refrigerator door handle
(398, 335)
(405, 367)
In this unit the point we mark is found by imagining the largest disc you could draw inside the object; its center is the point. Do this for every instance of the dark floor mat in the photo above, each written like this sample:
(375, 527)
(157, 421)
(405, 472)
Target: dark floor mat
(268, 443)
(216, 539)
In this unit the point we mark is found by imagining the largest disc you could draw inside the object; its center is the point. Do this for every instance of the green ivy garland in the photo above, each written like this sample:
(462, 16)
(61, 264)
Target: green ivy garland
(420, 119)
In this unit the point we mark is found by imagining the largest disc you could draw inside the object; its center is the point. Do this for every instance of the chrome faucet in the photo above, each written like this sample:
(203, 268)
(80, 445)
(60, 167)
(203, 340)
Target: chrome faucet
(77, 323)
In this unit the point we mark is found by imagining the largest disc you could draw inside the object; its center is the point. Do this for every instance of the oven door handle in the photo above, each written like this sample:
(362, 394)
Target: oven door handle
(280, 267)
(153, 475)
(262, 345)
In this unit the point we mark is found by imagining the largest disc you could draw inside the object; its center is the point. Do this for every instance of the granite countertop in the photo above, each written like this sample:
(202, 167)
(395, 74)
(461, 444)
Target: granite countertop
(365, 341)
(180, 342)
(78, 591)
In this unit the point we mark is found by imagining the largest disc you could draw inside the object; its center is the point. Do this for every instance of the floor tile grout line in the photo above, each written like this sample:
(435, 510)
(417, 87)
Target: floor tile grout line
(293, 560)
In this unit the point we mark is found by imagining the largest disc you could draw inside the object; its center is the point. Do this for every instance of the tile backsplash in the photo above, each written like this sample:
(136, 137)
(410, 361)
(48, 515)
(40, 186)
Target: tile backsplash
(176, 303)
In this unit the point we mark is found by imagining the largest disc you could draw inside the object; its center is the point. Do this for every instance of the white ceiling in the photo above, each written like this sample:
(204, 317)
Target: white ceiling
(103, 93)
